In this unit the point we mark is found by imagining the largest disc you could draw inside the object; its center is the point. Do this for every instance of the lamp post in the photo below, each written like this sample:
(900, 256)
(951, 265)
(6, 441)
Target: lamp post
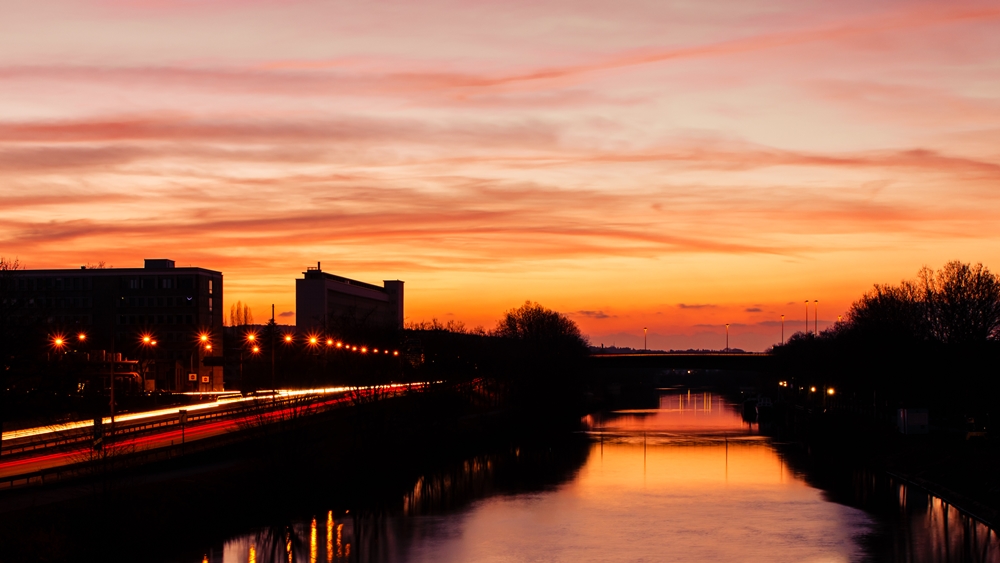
(727, 337)
(807, 316)
(816, 317)
(147, 342)
(645, 347)
(782, 329)
(251, 340)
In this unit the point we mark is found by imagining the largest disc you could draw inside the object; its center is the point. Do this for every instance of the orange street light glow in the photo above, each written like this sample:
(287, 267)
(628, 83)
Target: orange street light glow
(146, 339)
(203, 337)
(81, 337)
(251, 337)
(313, 340)
(288, 338)
(364, 350)
(208, 346)
(830, 391)
(395, 353)
(329, 342)
(58, 341)
(256, 349)
(340, 345)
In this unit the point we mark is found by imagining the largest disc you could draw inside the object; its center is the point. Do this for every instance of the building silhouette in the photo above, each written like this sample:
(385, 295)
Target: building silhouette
(326, 301)
(169, 317)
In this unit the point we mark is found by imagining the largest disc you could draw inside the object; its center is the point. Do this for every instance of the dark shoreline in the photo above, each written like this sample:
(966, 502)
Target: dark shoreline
(363, 457)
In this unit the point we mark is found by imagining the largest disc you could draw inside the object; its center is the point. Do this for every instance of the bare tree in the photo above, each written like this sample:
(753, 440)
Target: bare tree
(958, 304)
(240, 314)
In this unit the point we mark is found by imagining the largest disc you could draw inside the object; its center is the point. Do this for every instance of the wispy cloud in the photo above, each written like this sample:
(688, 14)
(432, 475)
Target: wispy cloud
(593, 314)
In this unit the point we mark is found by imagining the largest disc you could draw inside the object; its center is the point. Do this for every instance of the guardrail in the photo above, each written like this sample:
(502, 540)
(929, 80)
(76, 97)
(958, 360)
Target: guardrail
(85, 434)
(261, 407)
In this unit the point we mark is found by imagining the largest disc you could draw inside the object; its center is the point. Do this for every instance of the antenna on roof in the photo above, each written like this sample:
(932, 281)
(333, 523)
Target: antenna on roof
(317, 266)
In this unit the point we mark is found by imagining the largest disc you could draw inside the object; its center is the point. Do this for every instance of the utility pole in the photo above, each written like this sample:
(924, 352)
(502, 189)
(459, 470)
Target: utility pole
(727, 337)
(782, 329)
(274, 388)
(807, 316)
(645, 347)
(816, 318)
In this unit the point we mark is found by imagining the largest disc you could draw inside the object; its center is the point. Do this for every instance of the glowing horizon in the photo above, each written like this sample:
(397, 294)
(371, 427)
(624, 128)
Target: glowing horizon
(630, 165)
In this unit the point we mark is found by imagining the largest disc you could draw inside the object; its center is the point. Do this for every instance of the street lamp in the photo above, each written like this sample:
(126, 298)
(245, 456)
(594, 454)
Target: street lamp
(816, 317)
(645, 347)
(807, 316)
(782, 329)
(727, 337)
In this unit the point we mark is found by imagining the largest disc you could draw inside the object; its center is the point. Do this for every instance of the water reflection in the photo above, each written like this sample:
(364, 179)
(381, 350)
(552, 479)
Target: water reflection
(687, 481)
(297, 542)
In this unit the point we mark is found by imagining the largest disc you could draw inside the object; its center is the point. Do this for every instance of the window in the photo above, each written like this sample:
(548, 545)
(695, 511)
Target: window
(210, 289)
(210, 304)
(159, 301)
(121, 319)
(187, 319)
(149, 283)
(132, 283)
(185, 283)
(167, 283)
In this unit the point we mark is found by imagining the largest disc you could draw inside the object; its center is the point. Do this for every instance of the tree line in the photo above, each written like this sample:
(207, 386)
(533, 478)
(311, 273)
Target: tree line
(930, 340)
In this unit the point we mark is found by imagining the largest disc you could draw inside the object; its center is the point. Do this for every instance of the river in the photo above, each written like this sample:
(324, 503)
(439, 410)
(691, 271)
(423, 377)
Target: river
(685, 480)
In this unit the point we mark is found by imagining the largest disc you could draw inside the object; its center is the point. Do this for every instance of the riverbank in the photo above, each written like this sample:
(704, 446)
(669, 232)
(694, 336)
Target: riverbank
(963, 472)
(366, 457)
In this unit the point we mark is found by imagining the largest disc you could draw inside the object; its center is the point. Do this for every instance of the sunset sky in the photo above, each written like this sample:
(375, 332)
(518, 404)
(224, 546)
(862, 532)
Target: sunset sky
(670, 165)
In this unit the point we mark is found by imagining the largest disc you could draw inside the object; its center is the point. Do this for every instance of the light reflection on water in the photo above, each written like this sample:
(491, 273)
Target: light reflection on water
(687, 481)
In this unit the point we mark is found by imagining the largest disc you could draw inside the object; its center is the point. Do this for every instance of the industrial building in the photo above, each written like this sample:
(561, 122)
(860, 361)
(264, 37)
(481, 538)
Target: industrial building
(326, 301)
(170, 317)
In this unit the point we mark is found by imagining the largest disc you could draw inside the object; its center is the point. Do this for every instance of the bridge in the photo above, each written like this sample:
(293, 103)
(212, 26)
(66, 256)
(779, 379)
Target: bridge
(699, 361)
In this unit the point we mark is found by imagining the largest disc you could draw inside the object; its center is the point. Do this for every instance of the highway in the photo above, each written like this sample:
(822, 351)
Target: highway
(64, 445)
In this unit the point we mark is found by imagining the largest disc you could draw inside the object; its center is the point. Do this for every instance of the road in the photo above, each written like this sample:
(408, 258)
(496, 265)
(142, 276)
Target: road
(217, 418)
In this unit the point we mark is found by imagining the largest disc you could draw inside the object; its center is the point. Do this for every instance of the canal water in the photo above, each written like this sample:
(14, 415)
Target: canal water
(685, 480)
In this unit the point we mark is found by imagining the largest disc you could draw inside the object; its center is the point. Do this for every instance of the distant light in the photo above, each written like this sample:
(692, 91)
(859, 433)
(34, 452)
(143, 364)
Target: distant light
(58, 341)
(288, 338)
(395, 353)
(375, 350)
(329, 342)
(203, 337)
(251, 337)
(354, 348)
(340, 345)
(208, 346)
(256, 349)
(364, 349)
(81, 337)
(812, 389)
(829, 391)
(153, 343)
(146, 339)
(313, 340)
